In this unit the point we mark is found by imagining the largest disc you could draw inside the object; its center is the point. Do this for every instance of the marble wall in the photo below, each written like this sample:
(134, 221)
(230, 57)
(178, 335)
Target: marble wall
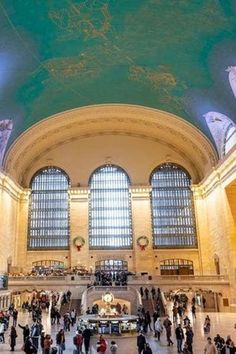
(214, 200)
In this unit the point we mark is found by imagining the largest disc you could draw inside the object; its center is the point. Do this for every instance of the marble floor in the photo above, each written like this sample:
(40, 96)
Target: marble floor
(222, 323)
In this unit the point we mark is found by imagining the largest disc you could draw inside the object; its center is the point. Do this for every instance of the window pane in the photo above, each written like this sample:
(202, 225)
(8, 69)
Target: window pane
(230, 138)
(173, 218)
(110, 223)
(49, 210)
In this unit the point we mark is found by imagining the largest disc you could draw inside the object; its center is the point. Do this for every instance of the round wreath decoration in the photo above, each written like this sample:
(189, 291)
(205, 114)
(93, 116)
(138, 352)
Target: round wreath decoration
(79, 242)
(142, 242)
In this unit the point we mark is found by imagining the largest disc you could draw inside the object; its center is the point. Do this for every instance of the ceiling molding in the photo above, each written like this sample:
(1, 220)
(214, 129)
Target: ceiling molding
(128, 120)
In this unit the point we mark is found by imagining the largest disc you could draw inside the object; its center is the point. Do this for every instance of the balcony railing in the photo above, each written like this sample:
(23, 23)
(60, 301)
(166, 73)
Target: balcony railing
(132, 279)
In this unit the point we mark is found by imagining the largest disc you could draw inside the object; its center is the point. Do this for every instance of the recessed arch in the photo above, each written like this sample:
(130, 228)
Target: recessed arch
(173, 217)
(181, 137)
(110, 219)
(48, 226)
(97, 169)
(176, 266)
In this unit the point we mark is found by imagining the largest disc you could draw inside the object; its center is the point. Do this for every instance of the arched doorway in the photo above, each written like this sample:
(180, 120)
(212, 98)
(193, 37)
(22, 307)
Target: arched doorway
(111, 265)
(176, 267)
(44, 266)
(111, 271)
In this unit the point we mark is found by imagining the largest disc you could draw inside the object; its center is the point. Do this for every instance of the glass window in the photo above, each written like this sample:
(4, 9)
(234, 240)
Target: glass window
(230, 138)
(176, 267)
(109, 265)
(173, 219)
(110, 224)
(49, 210)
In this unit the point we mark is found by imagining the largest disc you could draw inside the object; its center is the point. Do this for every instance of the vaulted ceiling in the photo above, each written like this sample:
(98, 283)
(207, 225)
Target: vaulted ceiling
(171, 55)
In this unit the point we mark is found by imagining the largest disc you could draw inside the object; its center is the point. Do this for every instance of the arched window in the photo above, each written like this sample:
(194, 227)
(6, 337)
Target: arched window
(49, 210)
(230, 138)
(110, 224)
(111, 265)
(173, 219)
(223, 130)
(176, 267)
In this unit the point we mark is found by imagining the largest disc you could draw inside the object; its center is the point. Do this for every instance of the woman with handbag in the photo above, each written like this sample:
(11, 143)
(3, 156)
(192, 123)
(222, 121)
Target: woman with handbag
(101, 345)
(47, 344)
(60, 340)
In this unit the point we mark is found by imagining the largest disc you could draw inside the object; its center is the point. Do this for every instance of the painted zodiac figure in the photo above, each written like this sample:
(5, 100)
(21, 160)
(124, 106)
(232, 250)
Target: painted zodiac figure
(5, 132)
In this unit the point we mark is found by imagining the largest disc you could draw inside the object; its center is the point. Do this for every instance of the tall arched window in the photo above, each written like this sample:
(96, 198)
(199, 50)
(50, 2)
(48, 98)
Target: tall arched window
(173, 217)
(49, 210)
(110, 224)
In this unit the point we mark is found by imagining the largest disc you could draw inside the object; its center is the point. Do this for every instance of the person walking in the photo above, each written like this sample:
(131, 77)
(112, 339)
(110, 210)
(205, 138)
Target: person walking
(148, 320)
(113, 347)
(186, 349)
(2, 331)
(47, 344)
(147, 349)
(210, 347)
(73, 317)
(86, 335)
(78, 342)
(60, 341)
(167, 324)
(158, 328)
(26, 331)
(193, 309)
(13, 336)
(146, 291)
(101, 345)
(207, 325)
(189, 338)
(28, 347)
(179, 333)
(35, 333)
(141, 341)
(14, 316)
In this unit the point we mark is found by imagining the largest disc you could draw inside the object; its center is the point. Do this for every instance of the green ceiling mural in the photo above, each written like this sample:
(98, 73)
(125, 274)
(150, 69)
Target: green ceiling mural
(61, 54)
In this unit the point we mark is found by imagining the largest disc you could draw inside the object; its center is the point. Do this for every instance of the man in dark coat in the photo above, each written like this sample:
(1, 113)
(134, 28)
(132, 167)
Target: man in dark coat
(86, 335)
(141, 341)
(26, 331)
(167, 324)
(179, 337)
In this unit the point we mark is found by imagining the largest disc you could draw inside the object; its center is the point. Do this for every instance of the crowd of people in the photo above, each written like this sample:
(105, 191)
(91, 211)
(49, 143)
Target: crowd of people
(178, 325)
(52, 271)
(110, 278)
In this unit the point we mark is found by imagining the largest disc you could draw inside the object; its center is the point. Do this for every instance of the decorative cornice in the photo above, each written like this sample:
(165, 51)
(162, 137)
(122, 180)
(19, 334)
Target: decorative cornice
(12, 188)
(223, 174)
(140, 192)
(143, 122)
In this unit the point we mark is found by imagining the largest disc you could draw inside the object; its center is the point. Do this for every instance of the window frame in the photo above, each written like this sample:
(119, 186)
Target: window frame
(48, 248)
(184, 236)
(228, 138)
(109, 247)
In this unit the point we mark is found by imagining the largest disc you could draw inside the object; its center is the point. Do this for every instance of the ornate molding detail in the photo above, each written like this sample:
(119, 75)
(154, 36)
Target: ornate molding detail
(116, 119)
(223, 174)
(14, 190)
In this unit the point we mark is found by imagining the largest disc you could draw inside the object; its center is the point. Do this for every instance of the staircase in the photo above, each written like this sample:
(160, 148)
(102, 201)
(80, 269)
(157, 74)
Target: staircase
(65, 308)
(76, 305)
(150, 306)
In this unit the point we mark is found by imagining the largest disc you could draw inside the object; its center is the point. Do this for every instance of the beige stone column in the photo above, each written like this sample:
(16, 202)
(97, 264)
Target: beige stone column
(142, 226)
(9, 209)
(79, 226)
(22, 235)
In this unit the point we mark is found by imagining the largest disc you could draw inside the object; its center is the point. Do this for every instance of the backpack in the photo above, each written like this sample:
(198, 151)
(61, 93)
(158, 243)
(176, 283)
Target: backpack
(79, 339)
